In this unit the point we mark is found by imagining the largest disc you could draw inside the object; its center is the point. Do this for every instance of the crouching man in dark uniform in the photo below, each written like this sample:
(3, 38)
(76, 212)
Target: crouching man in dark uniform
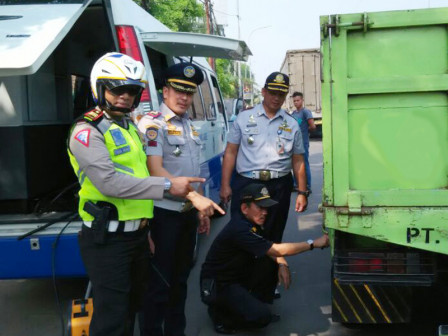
(236, 278)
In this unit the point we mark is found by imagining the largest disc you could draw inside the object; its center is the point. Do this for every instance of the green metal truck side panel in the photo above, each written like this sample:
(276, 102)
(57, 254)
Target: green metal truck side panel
(399, 141)
(385, 127)
(327, 193)
(423, 228)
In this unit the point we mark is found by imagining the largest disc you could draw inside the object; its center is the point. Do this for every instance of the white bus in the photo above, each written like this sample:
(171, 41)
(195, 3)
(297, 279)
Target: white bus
(47, 51)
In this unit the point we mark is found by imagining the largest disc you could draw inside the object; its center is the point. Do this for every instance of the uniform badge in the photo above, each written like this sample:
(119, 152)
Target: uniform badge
(189, 71)
(122, 150)
(251, 120)
(177, 151)
(280, 147)
(93, 115)
(174, 132)
(264, 191)
(193, 131)
(83, 137)
(279, 78)
(152, 133)
(118, 137)
(152, 143)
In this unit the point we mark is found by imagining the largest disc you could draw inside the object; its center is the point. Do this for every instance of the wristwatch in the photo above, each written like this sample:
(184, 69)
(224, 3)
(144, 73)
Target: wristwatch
(311, 243)
(305, 193)
(167, 184)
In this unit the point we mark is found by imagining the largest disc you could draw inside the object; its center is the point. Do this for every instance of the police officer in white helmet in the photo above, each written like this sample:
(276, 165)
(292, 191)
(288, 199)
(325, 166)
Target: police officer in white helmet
(115, 199)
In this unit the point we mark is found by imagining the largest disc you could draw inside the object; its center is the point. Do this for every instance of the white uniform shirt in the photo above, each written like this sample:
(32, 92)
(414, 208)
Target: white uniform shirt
(265, 144)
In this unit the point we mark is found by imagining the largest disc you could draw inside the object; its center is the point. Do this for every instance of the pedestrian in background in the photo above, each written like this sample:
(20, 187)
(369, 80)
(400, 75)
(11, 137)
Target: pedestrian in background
(306, 123)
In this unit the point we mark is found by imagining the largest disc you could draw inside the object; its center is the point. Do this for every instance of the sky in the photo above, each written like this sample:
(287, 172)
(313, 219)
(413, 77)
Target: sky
(271, 27)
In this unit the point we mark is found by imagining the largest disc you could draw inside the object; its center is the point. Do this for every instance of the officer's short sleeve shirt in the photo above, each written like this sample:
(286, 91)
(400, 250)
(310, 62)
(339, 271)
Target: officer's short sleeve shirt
(175, 139)
(265, 144)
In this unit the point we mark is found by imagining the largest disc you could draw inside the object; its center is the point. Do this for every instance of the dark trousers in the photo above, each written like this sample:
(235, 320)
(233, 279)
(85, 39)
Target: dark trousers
(174, 236)
(279, 190)
(118, 272)
(247, 304)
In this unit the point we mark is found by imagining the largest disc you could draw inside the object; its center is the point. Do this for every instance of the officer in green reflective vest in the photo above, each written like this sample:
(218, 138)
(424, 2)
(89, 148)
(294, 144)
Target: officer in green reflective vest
(115, 201)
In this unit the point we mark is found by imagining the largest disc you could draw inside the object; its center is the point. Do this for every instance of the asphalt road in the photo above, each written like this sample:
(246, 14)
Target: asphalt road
(28, 307)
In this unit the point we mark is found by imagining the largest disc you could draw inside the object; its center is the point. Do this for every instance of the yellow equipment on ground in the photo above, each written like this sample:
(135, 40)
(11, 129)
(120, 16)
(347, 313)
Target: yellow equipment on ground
(80, 317)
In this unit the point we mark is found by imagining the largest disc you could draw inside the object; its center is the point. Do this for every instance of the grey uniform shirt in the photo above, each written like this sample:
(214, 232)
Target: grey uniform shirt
(175, 139)
(265, 144)
(94, 160)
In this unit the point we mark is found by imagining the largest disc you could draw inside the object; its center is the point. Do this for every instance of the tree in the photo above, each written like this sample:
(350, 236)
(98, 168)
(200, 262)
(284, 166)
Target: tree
(228, 82)
(189, 16)
(178, 15)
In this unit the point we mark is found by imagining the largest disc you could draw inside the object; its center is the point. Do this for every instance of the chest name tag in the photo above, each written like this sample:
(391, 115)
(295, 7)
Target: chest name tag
(282, 128)
(174, 132)
(122, 150)
(253, 131)
(118, 137)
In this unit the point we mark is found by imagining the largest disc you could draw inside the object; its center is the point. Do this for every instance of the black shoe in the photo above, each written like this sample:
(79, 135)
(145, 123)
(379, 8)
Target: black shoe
(222, 329)
(275, 318)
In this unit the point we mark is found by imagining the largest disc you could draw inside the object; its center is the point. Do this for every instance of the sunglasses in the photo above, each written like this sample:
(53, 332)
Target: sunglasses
(130, 90)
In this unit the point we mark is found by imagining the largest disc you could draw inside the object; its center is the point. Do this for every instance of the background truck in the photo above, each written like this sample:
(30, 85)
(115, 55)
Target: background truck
(303, 69)
(385, 148)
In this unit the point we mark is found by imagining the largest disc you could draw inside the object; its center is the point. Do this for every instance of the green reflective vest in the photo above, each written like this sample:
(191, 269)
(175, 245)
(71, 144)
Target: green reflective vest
(127, 154)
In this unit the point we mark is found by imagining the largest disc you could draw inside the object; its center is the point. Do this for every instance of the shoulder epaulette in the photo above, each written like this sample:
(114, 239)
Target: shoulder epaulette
(153, 114)
(249, 108)
(93, 115)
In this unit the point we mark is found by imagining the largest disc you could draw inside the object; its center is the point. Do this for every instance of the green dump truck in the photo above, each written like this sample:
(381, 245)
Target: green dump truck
(385, 145)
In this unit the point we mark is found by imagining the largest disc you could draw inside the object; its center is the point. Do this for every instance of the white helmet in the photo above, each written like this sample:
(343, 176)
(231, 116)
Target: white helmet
(114, 70)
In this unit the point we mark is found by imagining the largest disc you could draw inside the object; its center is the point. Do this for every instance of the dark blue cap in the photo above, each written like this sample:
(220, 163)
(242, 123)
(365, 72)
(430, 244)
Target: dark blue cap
(184, 77)
(277, 81)
(257, 193)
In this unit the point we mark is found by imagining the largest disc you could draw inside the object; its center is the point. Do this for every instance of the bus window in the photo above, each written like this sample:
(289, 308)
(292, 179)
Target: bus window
(208, 99)
(218, 96)
(196, 111)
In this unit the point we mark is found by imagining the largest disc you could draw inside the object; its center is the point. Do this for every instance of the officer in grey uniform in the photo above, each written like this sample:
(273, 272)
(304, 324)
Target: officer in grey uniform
(173, 149)
(264, 143)
(107, 154)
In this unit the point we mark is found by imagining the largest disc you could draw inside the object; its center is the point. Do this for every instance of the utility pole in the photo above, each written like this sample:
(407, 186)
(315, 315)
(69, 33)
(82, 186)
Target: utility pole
(211, 61)
(207, 15)
(240, 86)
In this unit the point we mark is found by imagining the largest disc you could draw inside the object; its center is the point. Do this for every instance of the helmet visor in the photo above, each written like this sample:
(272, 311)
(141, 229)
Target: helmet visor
(132, 90)
(120, 86)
